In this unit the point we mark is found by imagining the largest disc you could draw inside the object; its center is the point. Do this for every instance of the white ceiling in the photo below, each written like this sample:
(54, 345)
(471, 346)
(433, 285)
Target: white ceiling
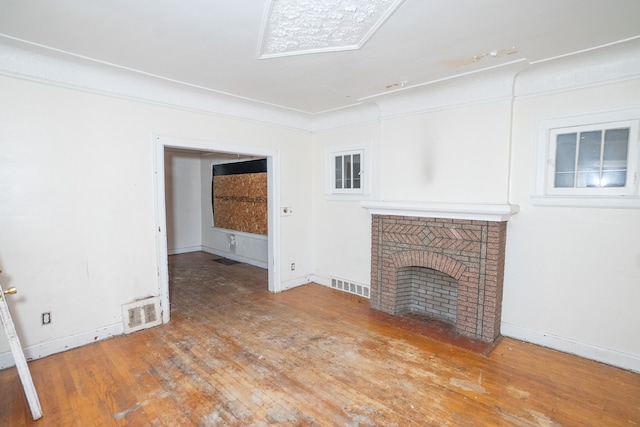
(216, 44)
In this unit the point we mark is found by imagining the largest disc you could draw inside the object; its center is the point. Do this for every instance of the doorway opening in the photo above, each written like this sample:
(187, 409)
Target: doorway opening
(222, 150)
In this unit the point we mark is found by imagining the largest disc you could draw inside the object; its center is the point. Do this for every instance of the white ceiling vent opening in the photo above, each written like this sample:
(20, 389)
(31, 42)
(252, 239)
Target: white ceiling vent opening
(297, 27)
(141, 314)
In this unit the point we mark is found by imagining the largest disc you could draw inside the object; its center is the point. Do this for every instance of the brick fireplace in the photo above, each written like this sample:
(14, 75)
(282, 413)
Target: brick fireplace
(445, 261)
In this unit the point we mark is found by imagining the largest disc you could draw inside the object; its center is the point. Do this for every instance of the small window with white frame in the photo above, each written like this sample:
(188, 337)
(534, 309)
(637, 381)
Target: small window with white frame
(347, 170)
(590, 160)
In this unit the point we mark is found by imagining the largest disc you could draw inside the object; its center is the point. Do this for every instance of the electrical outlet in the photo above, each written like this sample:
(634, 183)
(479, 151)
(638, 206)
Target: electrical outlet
(46, 318)
(293, 266)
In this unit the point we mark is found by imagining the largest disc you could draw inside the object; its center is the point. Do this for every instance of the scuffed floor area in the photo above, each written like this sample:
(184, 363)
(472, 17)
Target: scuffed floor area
(236, 355)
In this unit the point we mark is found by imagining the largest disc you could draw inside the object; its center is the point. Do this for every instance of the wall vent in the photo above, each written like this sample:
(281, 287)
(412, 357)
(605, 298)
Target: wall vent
(141, 314)
(351, 287)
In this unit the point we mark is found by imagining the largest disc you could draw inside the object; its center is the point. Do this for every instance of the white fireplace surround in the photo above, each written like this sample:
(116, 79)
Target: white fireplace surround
(470, 211)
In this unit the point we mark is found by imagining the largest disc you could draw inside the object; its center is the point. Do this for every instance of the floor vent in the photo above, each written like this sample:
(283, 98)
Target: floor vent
(352, 288)
(141, 314)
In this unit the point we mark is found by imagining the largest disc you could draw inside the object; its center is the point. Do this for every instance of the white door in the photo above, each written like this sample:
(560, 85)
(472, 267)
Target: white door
(18, 355)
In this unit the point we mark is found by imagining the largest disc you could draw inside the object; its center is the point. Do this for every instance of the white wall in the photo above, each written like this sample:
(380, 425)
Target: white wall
(572, 274)
(450, 155)
(77, 209)
(342, 228)
(183, 194)
(454, 155)
(295, 193)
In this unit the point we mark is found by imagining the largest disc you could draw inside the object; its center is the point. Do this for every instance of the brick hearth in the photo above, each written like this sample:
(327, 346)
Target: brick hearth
(469, 251)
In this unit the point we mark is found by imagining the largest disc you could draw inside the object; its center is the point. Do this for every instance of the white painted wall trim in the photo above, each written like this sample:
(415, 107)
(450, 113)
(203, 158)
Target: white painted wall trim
(333, 150)
(234, 257)
(346, 117)
(162, 252)
(294, 283)
(599, 354)
(480, 212)
(42, 64)
(588, 202)
(273, 196)
(607, 64)
(324, 281)
(184, 250)
(273, 218)
(490, 85)
(544, 193)
(48, 348)
(241, 233)
(220, 253)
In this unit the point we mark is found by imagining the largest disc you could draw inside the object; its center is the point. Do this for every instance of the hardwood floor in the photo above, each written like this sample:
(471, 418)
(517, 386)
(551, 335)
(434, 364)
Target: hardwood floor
(234, 354)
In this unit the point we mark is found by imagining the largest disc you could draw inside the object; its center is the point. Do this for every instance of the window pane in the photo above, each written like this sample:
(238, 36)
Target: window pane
(589, 159)
(614, 165)
(565, 160)
(347, 171)
(356, 171)
(338, 171)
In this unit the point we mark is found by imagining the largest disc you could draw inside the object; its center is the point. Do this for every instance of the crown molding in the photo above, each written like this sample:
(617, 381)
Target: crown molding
(607, 64)
(353, 115)
(487, 85)
(37, 63)
(616, 62)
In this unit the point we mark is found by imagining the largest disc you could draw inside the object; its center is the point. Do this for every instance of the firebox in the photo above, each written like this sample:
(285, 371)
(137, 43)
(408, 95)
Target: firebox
(443, 260)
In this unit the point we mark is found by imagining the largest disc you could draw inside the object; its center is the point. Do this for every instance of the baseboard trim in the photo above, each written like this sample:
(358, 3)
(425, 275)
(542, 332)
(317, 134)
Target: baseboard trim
(48, 348)
(184, 250)
(235, 257)
(599, 354)
(294, 283)
(324, 281)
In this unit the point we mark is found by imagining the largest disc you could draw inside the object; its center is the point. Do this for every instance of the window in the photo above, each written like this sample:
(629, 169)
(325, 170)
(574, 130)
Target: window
(589, 160)
(591, 157)
(347, 171)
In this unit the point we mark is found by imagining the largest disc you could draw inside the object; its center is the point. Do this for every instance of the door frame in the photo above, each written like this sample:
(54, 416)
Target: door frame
(273, 207)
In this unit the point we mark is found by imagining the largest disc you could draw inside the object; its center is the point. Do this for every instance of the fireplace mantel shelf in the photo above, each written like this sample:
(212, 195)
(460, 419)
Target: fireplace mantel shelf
(470, 211)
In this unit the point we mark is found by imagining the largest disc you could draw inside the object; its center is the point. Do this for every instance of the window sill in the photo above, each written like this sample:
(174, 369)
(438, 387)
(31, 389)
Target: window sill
(627, 202)
(347, 196)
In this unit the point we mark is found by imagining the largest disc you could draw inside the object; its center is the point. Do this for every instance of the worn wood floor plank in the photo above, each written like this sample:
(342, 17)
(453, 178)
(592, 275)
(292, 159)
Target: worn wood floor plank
(236, 355)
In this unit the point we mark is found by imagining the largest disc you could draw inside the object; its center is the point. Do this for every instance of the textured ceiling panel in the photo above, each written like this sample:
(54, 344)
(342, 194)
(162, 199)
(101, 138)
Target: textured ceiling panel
(294, 27)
